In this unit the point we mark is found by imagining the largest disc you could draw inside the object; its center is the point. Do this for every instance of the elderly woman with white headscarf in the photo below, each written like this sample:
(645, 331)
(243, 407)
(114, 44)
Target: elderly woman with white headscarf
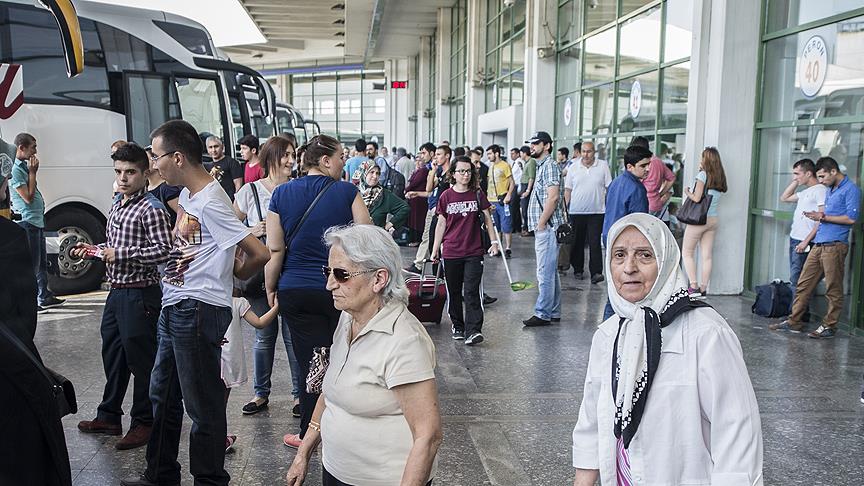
(667, 398)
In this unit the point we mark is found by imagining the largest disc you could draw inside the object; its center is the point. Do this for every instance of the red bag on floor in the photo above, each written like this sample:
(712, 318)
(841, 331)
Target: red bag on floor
(427, 294)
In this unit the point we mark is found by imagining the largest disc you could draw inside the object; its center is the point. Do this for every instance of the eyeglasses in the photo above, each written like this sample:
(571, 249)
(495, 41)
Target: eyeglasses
(341, 275)
(154, 157)
(463, 171)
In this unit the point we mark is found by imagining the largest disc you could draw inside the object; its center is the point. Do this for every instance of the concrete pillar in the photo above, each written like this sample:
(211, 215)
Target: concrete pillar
(423, 87)
(399, 104)
(539, 94)
(722, 95)
(475, 94)
(442, 77)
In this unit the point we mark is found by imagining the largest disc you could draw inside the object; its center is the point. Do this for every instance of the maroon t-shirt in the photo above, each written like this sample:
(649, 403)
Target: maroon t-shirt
(462, 231)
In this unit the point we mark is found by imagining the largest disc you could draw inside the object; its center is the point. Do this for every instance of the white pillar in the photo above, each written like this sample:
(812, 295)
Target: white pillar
(397, 129)
(442, 76)
(720, 108)
(475, 94)
(539, 93)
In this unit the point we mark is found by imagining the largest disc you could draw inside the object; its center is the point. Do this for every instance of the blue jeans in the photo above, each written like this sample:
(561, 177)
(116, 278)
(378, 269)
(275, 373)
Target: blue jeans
(548, 283)
(796, 263)
(265, 349)
(39, 258)
(188, 372)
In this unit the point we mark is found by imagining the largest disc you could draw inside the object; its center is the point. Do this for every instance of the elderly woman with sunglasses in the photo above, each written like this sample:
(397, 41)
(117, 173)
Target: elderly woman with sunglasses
(667, 398)
(300, 211)
(377, 417)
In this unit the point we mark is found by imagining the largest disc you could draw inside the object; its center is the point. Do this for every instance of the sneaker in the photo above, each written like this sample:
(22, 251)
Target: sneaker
(292, 440)
(862, 397)
(579, 275)
(230, 440)
(40, 309)
(51, 302)
(489, 300)
(555, 319)
(597, 278)
(256, 405)
(295, 410)
(508, 253)
(97, 426)
(475, 338)
(535, 321)
(822, 332)
(137, 436)
(412, 269)
(694, 292)
(785, 326)
(458, 334)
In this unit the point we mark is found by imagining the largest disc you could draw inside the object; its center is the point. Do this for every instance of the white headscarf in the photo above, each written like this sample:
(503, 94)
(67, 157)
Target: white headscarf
(638, 342)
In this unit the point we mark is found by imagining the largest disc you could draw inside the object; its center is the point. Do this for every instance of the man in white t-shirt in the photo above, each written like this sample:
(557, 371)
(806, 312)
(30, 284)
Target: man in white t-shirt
(811, 198)
(196, 312)
(585, 197)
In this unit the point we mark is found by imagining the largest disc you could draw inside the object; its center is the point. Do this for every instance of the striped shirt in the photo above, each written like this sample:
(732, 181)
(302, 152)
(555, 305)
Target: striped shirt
(548, 175)
(139, 231)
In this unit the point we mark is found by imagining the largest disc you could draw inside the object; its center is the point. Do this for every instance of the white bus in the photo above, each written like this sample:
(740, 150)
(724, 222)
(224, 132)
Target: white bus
(142, 68)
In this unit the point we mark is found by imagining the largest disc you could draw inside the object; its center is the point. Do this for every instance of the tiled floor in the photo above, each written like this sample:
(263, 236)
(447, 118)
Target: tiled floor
(509, 405)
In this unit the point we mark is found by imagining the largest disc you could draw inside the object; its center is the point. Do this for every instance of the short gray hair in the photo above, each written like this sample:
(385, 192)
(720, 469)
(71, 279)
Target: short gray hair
(214, 138)
(372, 248)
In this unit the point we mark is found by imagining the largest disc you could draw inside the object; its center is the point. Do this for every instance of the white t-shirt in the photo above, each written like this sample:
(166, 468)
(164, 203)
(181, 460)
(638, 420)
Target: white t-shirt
(365, 436)
(233, 355)
(246, 201)
(588, 187)
(516, 168)
(808, 200)
(201, 262)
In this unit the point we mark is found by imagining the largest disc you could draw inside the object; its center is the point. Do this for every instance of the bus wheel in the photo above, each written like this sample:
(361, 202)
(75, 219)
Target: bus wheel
(74, 275)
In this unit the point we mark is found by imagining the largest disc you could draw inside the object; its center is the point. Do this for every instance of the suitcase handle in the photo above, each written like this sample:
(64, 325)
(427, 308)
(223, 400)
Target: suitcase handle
(425, 279)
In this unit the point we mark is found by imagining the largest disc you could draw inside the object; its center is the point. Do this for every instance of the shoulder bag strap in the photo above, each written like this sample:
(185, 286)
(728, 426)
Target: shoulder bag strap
(24, 349)
(297, 226)
(257, 201)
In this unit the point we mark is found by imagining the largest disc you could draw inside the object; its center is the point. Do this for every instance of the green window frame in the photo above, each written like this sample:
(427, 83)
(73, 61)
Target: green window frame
(505, 51)
(458, 71)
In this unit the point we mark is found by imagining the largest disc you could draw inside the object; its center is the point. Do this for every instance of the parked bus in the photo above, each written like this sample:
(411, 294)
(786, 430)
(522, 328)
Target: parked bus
(141, 68)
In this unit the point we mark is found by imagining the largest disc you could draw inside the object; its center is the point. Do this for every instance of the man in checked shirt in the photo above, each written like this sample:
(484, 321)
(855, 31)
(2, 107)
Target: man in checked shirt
(138, 238)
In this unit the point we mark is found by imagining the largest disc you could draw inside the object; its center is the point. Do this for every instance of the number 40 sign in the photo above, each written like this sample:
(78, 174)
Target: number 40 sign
(813, 66)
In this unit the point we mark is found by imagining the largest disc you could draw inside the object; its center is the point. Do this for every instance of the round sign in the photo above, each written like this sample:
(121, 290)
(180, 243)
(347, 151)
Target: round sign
(635, 99)
(568, 111)
(813, 66)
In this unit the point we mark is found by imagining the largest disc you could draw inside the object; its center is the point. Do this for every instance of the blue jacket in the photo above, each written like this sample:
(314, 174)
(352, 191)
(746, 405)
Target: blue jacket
(626, 195)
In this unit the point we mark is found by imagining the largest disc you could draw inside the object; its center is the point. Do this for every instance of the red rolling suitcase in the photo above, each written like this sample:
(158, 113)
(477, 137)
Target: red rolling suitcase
(427, 294)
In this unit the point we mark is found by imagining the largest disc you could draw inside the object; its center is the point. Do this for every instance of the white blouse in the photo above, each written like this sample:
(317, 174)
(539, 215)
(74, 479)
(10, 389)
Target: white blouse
(701, 423)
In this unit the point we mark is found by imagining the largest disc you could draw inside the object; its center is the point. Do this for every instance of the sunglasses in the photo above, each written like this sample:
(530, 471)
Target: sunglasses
(341, 275)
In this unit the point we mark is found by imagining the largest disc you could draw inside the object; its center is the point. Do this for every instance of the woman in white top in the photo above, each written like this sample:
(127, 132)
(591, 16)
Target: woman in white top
(277, 157)
(377, 417)
(700, 423)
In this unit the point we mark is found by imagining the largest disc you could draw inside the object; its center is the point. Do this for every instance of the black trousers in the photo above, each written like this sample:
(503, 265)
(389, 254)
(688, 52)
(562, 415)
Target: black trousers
(587, 227)
(327, 479)
(129, 348)
(516, 210)
(312, 320)
(463, 276)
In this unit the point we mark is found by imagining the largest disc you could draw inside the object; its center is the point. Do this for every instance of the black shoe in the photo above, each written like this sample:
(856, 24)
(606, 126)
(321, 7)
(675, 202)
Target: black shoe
(40, 309)
(458, 334)
(579, 275)
(143, 481)
(535, 321)
(489, 300)
(252, 407)
(475, 338)
(52, 302)
(556, 319)
(597, 278)
(508, 253)
(412, 269)
(295, 411)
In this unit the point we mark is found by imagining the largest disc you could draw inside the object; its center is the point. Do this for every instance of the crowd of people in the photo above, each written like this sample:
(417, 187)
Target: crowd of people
(304, 239)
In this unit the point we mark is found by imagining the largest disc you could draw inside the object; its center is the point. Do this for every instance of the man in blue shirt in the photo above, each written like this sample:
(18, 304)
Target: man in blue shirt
(352, 164)
(626, 195)
(828, 255)
(28, 202)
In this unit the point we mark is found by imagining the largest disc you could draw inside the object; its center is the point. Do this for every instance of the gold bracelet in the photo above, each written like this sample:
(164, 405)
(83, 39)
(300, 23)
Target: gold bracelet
(315, 425)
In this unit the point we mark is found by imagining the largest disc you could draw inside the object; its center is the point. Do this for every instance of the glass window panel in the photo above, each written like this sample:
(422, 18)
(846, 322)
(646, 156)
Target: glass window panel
(788, 75)
(199, 102)
(506, 23)
(679, 30)
(637, 110)
(491, 101)
(492, 64)
(569, 67)
(567, 119)
(518, 15)
(597, 110)
(671, 152)
(148, 102)
(504, 96)
(517, 83)
(518, 61)
(301, 85)
(790, 13)
(640, 42)
(674, 109)
(369, 79)
(325, 84)
(492, 34)
(507, 66)
(598, 13)
(600, 57)
(628, 6)
(349, 85)
(492, 7)
(567, 29)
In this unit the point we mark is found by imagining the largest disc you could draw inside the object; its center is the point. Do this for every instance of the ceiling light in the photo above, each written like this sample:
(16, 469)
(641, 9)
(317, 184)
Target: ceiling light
(338, 6)
(339, 34)
(341, 44)
(339, 22)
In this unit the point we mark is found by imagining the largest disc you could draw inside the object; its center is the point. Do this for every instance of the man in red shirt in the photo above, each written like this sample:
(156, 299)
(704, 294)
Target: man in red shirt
(658, 183)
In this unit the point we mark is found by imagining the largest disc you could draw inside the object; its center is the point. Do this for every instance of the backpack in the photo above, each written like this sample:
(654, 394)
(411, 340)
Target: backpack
(773, 299)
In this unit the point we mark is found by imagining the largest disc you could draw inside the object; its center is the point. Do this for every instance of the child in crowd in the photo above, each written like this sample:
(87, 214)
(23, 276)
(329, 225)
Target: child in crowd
(233, 356)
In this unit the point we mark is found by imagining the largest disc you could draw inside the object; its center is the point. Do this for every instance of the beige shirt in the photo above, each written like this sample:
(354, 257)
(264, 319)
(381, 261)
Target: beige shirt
(365, 437)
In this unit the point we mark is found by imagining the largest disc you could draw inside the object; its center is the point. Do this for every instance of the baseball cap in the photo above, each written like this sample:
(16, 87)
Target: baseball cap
(539, 137)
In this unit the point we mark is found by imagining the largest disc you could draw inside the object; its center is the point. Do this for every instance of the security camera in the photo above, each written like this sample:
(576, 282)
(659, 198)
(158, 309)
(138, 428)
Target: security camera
(593, 4)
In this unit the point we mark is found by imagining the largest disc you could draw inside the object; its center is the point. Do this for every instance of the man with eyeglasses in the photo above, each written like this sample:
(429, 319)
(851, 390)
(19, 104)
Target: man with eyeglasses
(544, 217)
(196, 312)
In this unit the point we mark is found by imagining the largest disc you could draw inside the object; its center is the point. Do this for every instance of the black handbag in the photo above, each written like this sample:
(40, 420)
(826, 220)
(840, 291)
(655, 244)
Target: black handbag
(61, 388)
(317, 369)
(695, 213)
(485, 242)
(564, 233)
(253, 286)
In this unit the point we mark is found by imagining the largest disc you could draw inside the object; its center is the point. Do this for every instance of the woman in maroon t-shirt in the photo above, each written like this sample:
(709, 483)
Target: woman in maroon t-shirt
(458, 241)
